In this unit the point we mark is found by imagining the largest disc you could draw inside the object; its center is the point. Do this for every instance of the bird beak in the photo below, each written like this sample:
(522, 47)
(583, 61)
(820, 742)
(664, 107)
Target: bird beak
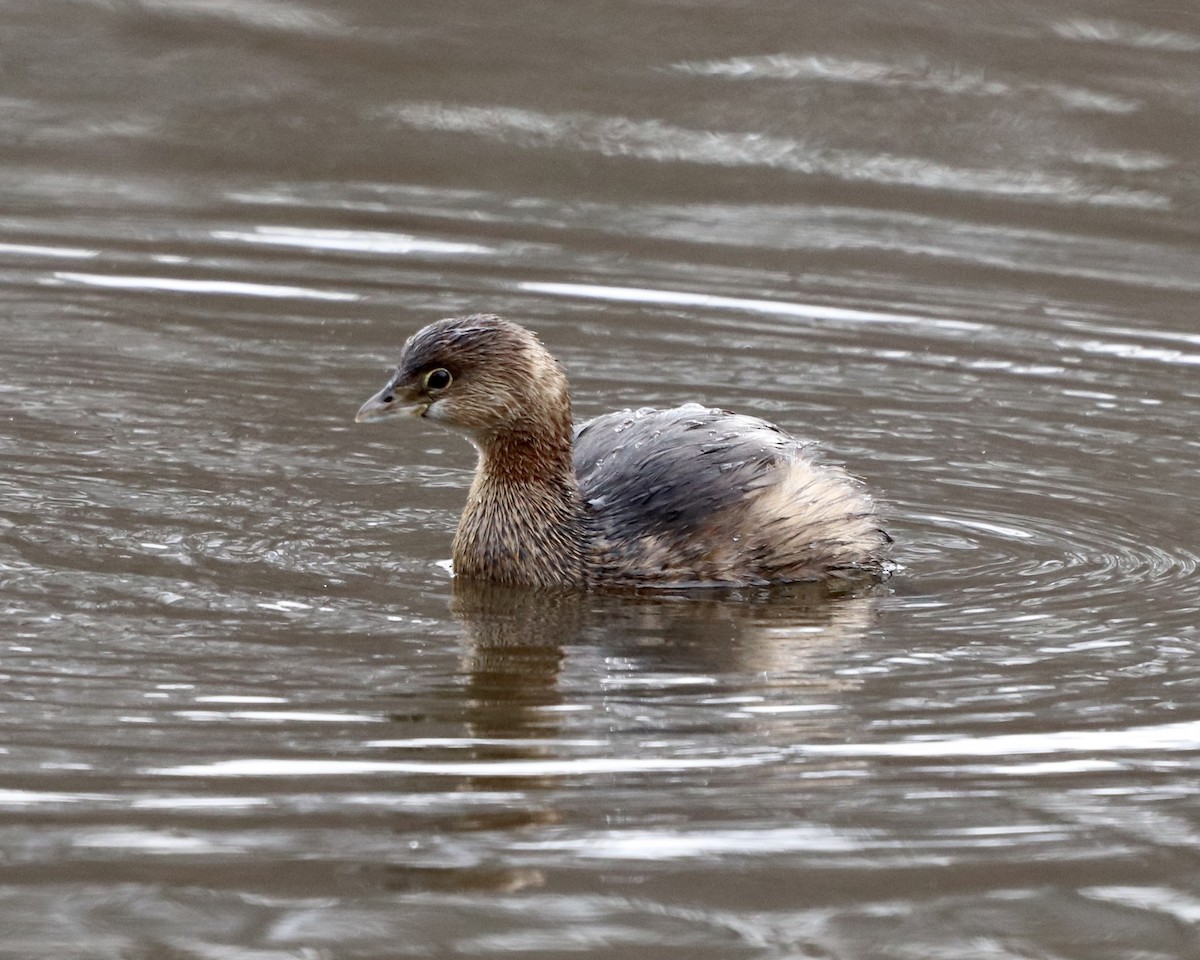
(388, 403)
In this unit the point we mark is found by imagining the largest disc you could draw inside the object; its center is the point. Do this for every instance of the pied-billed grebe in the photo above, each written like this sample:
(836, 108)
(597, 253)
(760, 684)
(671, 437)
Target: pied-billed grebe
(657, 497)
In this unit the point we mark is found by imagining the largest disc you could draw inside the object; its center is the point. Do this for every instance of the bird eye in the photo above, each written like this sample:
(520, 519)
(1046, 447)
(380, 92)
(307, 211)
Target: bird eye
(438, 379)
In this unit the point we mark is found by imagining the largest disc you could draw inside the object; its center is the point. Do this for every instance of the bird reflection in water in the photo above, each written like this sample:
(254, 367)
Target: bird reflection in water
(540, 665)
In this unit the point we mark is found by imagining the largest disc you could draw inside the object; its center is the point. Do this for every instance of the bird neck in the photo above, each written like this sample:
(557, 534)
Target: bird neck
(525, 520)
(528, 454)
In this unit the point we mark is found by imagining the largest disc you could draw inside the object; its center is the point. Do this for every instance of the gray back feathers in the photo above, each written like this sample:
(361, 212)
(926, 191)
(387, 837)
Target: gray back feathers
(668, 472)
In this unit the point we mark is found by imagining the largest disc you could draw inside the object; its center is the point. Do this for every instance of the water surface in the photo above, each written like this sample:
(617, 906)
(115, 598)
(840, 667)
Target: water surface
(247, 713)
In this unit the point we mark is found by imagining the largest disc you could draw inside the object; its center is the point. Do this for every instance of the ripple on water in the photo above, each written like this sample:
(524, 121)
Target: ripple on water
(1080, 557)
(660, 142)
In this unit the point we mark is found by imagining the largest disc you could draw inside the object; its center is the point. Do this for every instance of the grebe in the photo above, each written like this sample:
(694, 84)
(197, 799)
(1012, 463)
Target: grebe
(676, 497)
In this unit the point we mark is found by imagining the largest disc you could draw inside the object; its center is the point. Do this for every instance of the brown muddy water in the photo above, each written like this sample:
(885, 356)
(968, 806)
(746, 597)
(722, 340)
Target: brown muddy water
(244, 712)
